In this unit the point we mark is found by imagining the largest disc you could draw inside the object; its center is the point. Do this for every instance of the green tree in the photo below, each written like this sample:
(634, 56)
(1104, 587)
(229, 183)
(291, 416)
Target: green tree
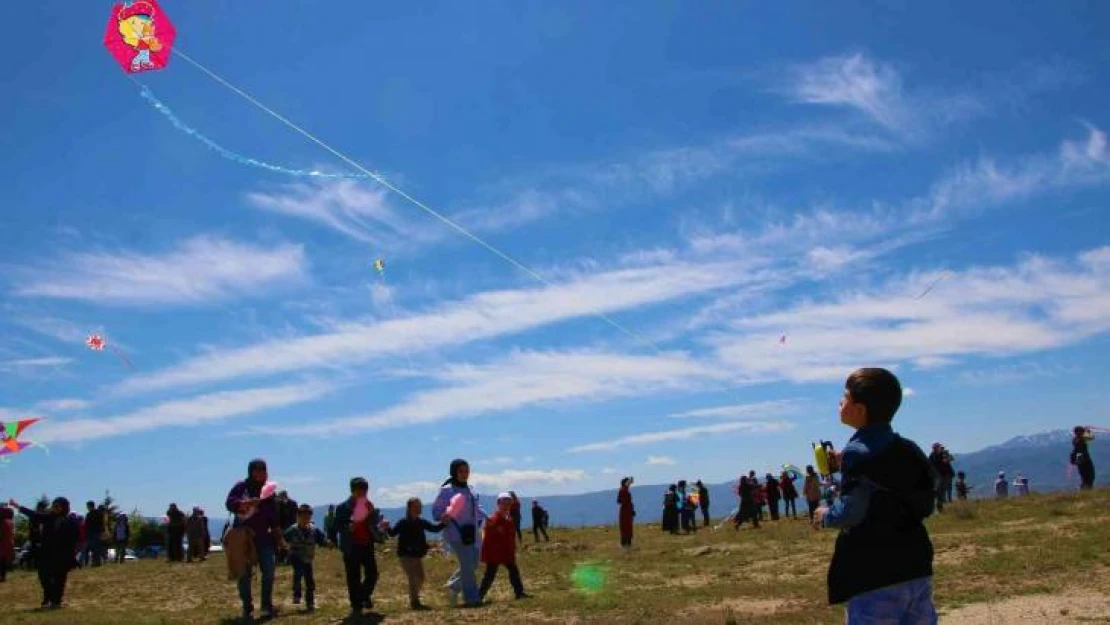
(150, 534)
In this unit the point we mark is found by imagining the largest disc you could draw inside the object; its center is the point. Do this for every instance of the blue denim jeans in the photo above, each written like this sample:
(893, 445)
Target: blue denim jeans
(908, 603)
(266, 563)
(465, 578)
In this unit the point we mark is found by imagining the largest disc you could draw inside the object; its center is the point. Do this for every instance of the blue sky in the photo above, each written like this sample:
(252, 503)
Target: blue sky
(709, 177)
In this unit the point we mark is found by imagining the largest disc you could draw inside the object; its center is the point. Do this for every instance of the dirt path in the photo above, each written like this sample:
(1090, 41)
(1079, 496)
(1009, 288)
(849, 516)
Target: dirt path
(1056, 609)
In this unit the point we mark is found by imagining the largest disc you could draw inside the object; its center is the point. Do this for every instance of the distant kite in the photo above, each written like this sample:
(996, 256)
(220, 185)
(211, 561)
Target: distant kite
(139, 36)
(379, 266)
(782, 339)
(97, 343)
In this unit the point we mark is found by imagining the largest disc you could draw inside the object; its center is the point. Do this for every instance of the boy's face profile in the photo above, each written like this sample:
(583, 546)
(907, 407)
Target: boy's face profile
(852, 413)
(303, 518)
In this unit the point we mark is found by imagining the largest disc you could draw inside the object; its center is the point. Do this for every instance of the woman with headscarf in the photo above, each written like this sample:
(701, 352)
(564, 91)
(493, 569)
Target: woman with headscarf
(811, 488)
(259, 517)
(1081, 456)
(461, 535)
(627, 512)
(196, 528)
(175, 533)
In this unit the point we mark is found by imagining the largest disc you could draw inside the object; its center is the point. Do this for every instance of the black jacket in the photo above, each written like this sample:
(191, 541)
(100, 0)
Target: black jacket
(59, 539)
(539, 517)
(411, 541)
(890, 545)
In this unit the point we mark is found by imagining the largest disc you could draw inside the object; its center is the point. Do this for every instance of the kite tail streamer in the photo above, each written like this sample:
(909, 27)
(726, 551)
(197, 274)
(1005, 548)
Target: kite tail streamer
(122, 357)
(159, 106)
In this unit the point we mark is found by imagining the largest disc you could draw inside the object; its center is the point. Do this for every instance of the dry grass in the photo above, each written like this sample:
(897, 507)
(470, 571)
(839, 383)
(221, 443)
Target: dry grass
(1038, 559)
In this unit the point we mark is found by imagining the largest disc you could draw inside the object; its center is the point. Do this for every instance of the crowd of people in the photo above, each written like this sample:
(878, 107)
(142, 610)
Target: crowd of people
(877, 492)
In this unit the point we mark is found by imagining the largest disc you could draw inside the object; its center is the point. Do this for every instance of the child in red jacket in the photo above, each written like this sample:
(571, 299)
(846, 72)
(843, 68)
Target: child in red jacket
(499, 548)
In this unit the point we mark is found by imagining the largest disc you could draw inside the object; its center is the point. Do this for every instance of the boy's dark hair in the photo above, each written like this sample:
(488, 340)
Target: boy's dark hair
(304, 507)
(359, 483)
(961, 474)
(878, 390)
(90, 504)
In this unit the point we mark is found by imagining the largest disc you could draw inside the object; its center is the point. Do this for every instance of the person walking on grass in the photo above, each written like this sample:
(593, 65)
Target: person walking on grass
(774, 494)
(258, 517)
(1001, 486)
(121, 535)
(499, 549)
(888, 489)
(196, 528)
(1081, 456)
(303, 537)
(670, 509)
(626, 516)
(540, 519)
(789, 495)
(357, 528)
(703, 502)
(412, 546)
(175, 533)
(94, 527)
(962, 487)
(461, 533)
(749, 511)
(60, 534)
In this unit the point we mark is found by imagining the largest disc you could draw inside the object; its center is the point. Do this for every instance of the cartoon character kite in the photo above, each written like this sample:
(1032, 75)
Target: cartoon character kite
(10, 432)
(97, 343)
(379, 266)
(139, 36)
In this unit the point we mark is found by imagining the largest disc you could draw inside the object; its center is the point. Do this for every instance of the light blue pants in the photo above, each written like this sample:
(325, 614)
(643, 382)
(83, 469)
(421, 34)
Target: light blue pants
(908, 603)
(266, 563)
(465, 578)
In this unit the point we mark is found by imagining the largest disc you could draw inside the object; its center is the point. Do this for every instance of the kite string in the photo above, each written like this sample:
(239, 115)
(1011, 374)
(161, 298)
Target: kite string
(412, 200)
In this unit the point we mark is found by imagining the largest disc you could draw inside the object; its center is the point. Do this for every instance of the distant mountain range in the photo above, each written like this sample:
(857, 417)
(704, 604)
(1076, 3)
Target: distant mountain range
(1043, 458)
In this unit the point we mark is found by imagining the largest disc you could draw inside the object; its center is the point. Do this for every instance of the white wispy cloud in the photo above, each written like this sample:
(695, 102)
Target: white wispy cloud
(651, 438)
(45, 361)
(661, 172)
(524, 379)
(774, 407)
(479, 317)
(875, 89)
(201, 269)
(1012, 373)
(67, 404)
(360, 211)
(1036, 305)
(660, 461)
(191, 412)
(509, 479)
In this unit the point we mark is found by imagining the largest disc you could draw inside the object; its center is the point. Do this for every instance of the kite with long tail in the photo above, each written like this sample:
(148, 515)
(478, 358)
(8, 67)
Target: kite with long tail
(140, 37)
(97, 343)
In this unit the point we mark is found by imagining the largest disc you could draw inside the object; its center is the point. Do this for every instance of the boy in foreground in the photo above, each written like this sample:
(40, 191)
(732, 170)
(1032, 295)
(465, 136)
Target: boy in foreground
(303, 538)
(883, 562)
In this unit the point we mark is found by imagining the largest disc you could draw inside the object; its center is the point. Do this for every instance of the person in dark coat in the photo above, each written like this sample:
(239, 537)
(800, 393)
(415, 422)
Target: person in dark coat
(121, 536)
(356, 530)
(94, 530)
(703, 502)
(196, 527)
(59, 545)
(287, 516)
(670, 509)
(749, 511)
(540, 520)
(789, 494)
(412, 546)
(175, 533)
(627, 513)
(774, 494)
(1081, 456)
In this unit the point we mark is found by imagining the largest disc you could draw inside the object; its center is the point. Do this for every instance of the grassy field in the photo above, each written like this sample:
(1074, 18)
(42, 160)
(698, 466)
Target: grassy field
(1041, 559)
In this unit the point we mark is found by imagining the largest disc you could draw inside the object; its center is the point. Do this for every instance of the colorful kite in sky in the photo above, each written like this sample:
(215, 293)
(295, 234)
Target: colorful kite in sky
(97, 343)
(379, 265)
(139, 36)
(10, 431)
